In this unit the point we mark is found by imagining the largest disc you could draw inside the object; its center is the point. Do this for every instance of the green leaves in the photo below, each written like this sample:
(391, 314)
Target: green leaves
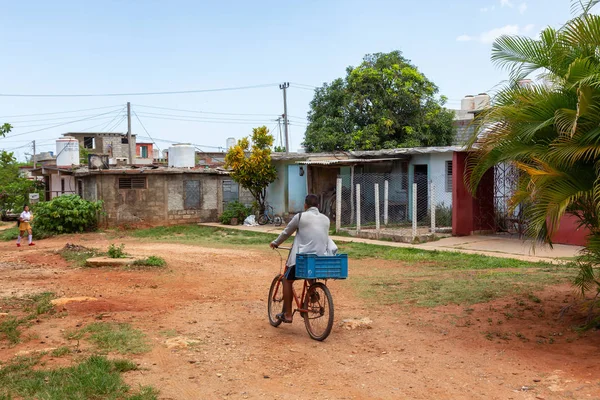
(254, 170)
(66, 214)
(385, 102)
(5, 129)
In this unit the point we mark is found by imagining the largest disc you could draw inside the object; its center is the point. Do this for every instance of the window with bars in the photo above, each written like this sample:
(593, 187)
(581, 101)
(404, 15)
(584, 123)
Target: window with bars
(449, 176)
(192, 195)
(134, 182)
(89, 143)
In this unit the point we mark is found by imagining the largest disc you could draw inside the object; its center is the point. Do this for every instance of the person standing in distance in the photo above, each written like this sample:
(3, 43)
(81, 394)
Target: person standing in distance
(25, 226)
(312, 236)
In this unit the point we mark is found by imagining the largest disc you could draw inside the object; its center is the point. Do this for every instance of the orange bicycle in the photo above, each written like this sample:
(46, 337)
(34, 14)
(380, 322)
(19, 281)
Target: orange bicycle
(315, 305)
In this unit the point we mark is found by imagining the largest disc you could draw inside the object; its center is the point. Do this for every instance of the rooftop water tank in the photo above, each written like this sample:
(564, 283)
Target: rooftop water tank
(482, 100)
(156, 154)
(182, 156)
(230, 143)
(67, 152)
(468, 103)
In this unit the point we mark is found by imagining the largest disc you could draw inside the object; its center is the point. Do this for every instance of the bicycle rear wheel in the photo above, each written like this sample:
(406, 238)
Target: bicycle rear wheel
(275, 301)
(277, 220)
(319, 316)
(263, 219)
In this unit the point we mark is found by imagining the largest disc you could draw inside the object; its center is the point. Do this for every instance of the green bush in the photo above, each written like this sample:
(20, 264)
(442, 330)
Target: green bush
(115, 251)
(67, 214)
(235, 209)
(152, 261)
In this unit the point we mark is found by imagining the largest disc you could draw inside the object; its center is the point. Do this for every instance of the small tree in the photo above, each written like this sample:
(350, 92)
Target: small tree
(251, 166)
(4, 129)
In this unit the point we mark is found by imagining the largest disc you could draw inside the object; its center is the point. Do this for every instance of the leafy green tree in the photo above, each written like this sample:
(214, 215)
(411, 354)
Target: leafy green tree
(14, 189)
(383, 103)
(5, 129)
(251, 166)
(550, 129)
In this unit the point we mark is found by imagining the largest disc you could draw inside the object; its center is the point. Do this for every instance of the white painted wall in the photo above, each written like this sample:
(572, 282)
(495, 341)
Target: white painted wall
(56, 187)
(438, 174)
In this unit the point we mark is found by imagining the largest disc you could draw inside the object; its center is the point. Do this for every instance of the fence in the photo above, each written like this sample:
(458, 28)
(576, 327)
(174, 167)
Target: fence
(394, 205)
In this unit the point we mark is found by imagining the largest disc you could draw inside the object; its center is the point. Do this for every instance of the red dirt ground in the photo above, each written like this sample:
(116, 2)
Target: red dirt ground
(217, 297)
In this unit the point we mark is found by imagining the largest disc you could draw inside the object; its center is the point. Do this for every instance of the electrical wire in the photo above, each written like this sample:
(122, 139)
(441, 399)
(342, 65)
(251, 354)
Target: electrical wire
(48, 124)
(206, 112)
(54, 126)
(203, 121)
(203, 118)
(302, 84)
(143, 93)
(146, 130)
(58, 112)
(173, 142)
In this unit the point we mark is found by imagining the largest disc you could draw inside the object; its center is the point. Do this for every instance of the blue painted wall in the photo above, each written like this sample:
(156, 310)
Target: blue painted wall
(296, 188)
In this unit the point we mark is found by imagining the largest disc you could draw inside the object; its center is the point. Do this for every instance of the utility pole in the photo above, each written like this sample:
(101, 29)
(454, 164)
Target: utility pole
(34, 163)
(129, 141)
(279, 128)
(284, 87)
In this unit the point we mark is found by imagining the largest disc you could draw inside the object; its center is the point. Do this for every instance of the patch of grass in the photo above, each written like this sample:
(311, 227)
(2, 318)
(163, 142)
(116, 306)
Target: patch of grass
(152, 261)
(77, 255)
(204, 235)
(442, 259)
(32, 306)
(456, 287)
(169, 333)
(115, 251)
(6, 235)
(93, 378)
(113, 337)
(60, 352)
(9, 330)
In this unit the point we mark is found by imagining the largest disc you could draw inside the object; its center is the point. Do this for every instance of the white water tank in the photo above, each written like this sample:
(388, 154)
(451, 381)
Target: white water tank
(482, 100)
(467, 103)
(67, 152)
(182, 156)
(156, 154)
(230, 142)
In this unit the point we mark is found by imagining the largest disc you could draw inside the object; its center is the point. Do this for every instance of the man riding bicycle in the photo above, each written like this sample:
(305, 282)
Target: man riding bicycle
(312, 236)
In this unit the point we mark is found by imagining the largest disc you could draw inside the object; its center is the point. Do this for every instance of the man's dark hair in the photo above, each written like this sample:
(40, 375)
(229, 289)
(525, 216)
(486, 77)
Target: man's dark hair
(312, 200)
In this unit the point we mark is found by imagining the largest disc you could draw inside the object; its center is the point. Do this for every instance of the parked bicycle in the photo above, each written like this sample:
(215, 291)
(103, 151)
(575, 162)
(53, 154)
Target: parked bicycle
(269, 217)
(315, 304)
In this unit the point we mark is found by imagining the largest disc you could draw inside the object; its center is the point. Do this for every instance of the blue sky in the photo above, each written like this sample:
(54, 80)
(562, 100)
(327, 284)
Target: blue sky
(66, 47)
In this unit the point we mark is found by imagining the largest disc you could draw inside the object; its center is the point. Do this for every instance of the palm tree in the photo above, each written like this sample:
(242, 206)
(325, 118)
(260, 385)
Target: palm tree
(549, 129)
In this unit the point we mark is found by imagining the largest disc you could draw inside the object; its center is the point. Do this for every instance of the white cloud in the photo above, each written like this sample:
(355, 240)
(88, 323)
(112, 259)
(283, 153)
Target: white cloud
(506, 3)
(522, 8)
(493, 34)
(484, 9)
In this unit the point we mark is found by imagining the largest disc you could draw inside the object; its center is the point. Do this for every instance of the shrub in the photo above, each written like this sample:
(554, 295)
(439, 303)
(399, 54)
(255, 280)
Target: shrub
(152, 261)
(235, 209)
(67, 214)
(115, 251)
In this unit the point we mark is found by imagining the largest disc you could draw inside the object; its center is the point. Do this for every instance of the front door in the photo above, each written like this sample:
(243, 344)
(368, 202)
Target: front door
(420, 178)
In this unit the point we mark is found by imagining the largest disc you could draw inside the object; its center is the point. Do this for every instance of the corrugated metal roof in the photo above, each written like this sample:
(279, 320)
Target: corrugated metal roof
(347, 161)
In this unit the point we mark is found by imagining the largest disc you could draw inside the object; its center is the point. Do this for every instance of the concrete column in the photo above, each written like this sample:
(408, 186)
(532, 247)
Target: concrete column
(432, 205)
(338, 205)
(414, 211)
(386, 191)
(358, 208)
(377, 227)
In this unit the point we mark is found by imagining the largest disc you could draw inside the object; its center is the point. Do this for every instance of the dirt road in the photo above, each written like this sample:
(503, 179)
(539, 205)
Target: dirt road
(205, 316)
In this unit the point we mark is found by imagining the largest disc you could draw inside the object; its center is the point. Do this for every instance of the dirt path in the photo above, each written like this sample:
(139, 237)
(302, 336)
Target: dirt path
(206, 318)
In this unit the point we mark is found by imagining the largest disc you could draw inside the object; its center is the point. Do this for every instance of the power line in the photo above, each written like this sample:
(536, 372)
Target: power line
(58, 112)
(173, 142)
(48, 124)
(206, 112)
(204, 121)
(55, 126)
(142, 93)
(53, 119)
(303, 84)
(146, 130)
(203, 118)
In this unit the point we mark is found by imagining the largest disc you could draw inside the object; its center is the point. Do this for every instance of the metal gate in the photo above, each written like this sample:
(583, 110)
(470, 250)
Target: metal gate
(508, 218)
(231, 192)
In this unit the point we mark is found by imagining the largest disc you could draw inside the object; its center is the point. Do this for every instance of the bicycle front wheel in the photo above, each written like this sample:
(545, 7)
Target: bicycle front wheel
(263, 219)
(319, 316)
(275, 301)
(277, 220)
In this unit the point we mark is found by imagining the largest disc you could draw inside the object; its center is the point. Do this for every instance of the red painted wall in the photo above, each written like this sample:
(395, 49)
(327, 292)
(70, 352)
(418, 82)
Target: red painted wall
(471, 214)
(138, 149)
(570, 233)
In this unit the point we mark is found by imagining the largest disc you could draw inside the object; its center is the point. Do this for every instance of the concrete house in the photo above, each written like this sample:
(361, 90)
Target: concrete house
(114, 145)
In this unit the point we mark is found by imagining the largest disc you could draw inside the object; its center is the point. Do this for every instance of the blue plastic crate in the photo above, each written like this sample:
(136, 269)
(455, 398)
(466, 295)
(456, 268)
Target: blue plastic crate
(312, 266)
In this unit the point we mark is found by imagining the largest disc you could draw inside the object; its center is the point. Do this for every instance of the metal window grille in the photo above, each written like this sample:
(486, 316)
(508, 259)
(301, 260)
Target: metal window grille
(137, 182)
(449, 176)
(192, 195)
(88, 142)
(230, 192)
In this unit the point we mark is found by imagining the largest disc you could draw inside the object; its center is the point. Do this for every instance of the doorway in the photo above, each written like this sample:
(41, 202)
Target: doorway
(420, 178)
